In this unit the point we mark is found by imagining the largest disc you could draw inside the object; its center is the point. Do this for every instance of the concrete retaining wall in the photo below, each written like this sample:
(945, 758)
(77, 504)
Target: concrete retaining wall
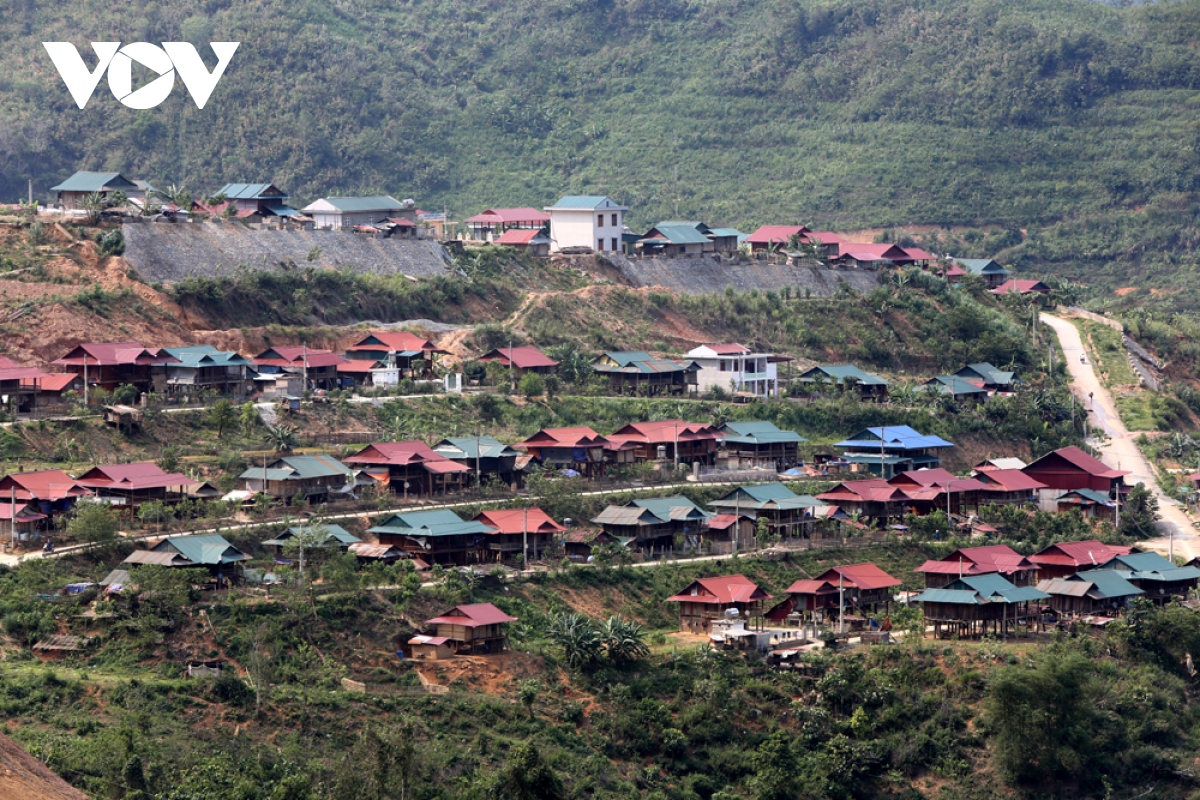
(170, 252)
(707, 275)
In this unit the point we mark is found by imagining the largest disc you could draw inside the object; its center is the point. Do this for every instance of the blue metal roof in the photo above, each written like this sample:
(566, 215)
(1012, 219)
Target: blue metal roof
(896, 437)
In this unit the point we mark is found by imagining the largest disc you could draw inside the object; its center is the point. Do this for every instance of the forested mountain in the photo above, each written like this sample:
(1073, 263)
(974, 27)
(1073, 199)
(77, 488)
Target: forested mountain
(1074, 121)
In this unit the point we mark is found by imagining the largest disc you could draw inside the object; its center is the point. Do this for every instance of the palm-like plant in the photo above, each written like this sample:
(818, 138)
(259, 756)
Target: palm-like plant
(623, 640)
(94, 204)
(281, 437)
(578, 638)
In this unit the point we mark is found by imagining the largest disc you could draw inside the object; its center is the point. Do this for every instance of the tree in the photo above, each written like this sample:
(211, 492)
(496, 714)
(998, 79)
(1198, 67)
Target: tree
(341, 572)
(532, 385)
(776, 768)
(525, 777)
(623, 640)
(154, 513)
(93, 205)
(1139, 513)
(578, 638)
(94, 524)
(282, 437)
(248, 418)
(168, 459)
(1057, 697)
(529, 691)
(125, 394)
(222, 417)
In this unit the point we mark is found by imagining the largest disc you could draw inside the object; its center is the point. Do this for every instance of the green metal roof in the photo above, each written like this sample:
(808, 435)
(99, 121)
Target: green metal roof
(987, 373)
(208, 549)
(251, 191)
(261, 474)
(205, 355)
(996, 588)
(724, 232)
(430, 523)
(840, 372)
(980, 266)
(465, 447)
(298, 468)
(378, 203)
(954, 385)
(760, 495)
(953, 596)
(1090, 494)
(758, 433)
(675, 234)
(677, 507)
(1108, 583)
(95, 182)
(580, 201)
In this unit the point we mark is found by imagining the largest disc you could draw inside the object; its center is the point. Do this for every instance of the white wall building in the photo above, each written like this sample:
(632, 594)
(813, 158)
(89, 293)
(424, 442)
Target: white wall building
(733, 368)
(591, 221)
(336, 213)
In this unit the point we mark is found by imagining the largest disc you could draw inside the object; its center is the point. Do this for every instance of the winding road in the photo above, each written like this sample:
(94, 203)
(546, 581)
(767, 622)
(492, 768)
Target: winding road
(1120, 450)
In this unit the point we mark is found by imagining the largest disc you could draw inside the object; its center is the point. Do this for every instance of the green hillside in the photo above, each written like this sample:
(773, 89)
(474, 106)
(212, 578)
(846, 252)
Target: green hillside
(1072, 120)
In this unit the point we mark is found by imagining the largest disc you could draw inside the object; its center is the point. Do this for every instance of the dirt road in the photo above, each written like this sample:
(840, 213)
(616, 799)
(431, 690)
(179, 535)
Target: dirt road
(1120, 451)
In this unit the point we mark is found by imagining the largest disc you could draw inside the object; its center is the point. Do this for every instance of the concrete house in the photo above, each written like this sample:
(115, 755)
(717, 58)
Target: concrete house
(343, 213)
(734, 367)
(589, 222)
(74, 189)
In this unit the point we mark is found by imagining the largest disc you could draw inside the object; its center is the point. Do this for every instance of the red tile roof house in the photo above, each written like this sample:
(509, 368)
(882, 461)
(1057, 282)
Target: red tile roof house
(1064, 559)
(521, 359)
(707, 599)
(518, 530)
(25, 386)
(580, 449)
(127, 486)
(318, 367)
(863, 587)
(697, 441)
(1070, 468)
(410, 468)
(1021, 287)
(49, 492)
(774, 237)
(407, 351)
(499, 220)
(478, 628)
(994, 558)
(111, 364)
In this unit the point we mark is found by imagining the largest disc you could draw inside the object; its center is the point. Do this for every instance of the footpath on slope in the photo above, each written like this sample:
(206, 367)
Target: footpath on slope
(1121, 451)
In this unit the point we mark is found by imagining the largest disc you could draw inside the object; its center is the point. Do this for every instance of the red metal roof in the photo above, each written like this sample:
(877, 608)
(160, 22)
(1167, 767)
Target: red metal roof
(521, 357)
(724, 590)
(298, 357)
(811, 587)
(775, 234)
(141, 475)
(1079, 459)
(48, 484)
(863, 576)
(665, 431)
(363, 366)
(1021, 287)
(919, 254)
(50, 381)
(990, 558)
(23, 512)
(730, 349)
(518, 236)
(403, 454)
(510, 216)
(8, 363)
(395, 342)
(519, 520)
(581, 436)
(472, 615)
(875, 490)
(1090, 552)
(722, 521)
(863, 251)
(1009, 480)
(106, 354)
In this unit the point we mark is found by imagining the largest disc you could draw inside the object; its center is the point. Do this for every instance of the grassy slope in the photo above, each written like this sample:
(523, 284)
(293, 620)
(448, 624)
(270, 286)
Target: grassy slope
(1071, 119)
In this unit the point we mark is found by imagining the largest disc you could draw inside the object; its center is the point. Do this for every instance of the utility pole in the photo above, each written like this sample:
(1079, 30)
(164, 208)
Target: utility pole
(305, 386)
(841, 603)
(882, 452)
(525, 538)
(478, 467)
(85, 380)
(675, 424)
(512, 378)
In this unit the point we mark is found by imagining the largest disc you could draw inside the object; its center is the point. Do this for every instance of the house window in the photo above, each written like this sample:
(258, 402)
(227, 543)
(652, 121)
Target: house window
(599, 245)
(614, 220)
(599, 220)
(723, 365)
(614, 243)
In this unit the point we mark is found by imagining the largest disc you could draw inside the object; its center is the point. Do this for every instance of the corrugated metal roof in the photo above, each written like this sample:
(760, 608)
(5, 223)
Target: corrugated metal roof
(251, 191)
(376, 203)
(469, 447)
(1108, 583)
(840, 372)
(474, 614)
(759, 433)
(668, 233)
(96, 182)
(162, 559)
(586, 202)
(954, 385)
(988, 373)
(628, 515)
(951, 596)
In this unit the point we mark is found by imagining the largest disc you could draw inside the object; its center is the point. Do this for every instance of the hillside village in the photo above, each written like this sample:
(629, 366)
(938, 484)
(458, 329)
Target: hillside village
(791, 509)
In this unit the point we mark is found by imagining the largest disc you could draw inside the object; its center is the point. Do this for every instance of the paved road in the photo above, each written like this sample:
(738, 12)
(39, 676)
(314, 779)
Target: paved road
(1120, 450)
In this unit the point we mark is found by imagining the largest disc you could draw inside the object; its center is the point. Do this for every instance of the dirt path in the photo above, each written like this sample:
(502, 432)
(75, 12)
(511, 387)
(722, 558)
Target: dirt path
(1120, 450)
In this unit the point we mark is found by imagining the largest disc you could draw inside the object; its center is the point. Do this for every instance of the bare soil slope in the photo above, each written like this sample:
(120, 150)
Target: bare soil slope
(23, 777)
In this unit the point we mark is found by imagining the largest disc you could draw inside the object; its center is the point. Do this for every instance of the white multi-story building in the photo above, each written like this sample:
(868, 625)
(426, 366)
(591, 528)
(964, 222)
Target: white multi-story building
(590, 221)
(734, 368)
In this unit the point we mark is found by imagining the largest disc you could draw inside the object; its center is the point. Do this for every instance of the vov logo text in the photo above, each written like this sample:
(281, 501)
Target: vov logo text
(171, 58)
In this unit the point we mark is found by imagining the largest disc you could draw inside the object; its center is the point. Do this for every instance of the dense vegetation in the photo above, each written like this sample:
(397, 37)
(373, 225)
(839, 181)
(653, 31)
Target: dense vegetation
(680, 723)
(1070, 120)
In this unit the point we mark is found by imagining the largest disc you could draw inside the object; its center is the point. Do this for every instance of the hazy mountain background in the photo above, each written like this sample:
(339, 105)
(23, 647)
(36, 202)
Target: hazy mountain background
(1071, 125)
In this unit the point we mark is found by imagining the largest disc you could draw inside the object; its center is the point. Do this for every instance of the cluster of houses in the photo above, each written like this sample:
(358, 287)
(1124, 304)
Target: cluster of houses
(382, 358)
(971, 592)
(576, 224)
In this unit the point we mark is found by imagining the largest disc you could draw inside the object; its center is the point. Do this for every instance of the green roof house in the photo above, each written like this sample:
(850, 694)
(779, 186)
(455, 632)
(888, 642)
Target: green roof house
(203, 366)
(333, 536)
(74, 189)
(209, 550)
(985, 268)
(676, 239)
(1097, 591)
(869, 385)
(976, 605)
(788, 514)
(652, 524)
(316, 477)
(440, 537)
(343, 213)
(991, 378)
(760, 444)
(958, 388)
(1159, 578)
(637, 372)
